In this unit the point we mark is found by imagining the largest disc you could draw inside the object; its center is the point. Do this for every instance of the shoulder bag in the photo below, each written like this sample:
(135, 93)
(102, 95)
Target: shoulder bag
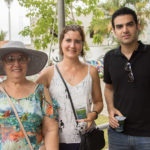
(92, 140)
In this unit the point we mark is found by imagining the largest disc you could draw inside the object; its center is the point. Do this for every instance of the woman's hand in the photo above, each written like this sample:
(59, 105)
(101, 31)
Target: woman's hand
(90, 119)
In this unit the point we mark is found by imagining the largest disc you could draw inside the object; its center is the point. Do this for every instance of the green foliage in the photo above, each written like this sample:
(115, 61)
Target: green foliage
(43, 16)
(101, 24)
(2, 35)
(43, 23)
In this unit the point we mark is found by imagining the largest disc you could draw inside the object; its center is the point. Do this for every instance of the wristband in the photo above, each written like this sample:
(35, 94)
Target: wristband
(96, 113)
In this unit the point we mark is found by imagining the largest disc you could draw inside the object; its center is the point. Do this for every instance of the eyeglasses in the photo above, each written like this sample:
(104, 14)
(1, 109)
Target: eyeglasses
(21, 59)
(129, 70)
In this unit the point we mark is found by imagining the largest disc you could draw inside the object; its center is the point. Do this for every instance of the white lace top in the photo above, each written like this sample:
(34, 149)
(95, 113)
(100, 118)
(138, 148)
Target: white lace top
(81, 96)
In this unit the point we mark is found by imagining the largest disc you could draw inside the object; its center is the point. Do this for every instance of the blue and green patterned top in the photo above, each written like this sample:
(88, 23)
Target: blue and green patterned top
(31, 111)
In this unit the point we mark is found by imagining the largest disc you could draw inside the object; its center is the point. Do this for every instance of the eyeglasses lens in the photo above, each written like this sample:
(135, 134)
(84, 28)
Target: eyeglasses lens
(22, 59)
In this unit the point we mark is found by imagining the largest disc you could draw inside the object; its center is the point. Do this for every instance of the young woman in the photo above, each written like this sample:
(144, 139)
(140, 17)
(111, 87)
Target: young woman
(83, 83)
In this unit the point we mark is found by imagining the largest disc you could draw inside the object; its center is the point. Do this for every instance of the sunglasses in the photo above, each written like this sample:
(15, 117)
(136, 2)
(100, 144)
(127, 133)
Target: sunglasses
(21, 59)
(129, 70)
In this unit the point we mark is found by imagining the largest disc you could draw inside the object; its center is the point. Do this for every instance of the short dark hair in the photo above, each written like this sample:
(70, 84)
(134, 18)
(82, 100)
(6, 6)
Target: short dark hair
(124, 11)
(72, 28)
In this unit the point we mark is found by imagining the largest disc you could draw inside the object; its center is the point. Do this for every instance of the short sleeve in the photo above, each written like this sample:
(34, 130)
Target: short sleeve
(107, 78)
(49, 110)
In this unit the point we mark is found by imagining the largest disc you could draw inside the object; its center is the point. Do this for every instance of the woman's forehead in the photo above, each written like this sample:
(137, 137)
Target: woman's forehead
(72, 34)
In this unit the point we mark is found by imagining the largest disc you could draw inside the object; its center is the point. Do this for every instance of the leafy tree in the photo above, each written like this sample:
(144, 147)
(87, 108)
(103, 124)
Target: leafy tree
(43, 16)
(101, 24)
(2, 35)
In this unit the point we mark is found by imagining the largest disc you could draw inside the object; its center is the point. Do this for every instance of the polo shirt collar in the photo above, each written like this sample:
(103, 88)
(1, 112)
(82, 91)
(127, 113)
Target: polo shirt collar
(141, 48)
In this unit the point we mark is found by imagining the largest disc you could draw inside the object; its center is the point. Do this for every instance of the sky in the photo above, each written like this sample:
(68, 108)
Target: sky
(18, 20)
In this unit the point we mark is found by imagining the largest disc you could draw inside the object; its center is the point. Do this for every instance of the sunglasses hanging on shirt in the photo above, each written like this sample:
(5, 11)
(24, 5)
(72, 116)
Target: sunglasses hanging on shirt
(128, 68)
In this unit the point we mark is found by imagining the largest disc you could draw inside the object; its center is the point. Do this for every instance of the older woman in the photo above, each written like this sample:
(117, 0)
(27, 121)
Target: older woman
(83, 83)
(33, 107)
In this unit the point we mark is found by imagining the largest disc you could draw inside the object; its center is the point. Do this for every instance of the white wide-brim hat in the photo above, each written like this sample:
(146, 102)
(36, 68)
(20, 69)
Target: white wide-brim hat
(37, 61)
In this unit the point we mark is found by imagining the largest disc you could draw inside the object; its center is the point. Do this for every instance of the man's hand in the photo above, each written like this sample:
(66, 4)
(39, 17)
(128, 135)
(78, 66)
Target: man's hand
(112, 121)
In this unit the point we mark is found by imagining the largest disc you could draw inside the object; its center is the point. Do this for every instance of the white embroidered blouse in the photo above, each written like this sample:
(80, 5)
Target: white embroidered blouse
(82, 97)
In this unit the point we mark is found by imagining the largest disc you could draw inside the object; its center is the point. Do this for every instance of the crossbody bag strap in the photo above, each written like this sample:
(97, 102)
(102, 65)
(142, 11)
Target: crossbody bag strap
(70, 98)
(20, 123)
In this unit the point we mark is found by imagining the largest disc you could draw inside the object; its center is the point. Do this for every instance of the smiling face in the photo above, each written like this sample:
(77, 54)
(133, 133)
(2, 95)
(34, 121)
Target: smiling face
(125, 29)
(15, 65)
(72, 44)
(70, 29)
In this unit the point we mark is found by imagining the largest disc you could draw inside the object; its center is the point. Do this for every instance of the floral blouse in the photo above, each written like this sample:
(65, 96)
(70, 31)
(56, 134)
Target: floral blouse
(31, 111)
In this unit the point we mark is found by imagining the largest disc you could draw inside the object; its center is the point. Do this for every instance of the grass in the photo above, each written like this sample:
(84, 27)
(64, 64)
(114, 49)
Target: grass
(100, 120)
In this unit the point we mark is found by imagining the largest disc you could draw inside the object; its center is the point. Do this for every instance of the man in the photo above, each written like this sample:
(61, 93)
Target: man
(127, 84)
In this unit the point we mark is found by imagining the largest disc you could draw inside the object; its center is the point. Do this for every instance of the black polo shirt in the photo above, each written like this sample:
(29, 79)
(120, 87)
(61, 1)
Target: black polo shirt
(131, 98)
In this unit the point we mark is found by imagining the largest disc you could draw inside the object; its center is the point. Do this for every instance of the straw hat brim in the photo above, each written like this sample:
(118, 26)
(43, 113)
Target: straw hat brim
(37, 61)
